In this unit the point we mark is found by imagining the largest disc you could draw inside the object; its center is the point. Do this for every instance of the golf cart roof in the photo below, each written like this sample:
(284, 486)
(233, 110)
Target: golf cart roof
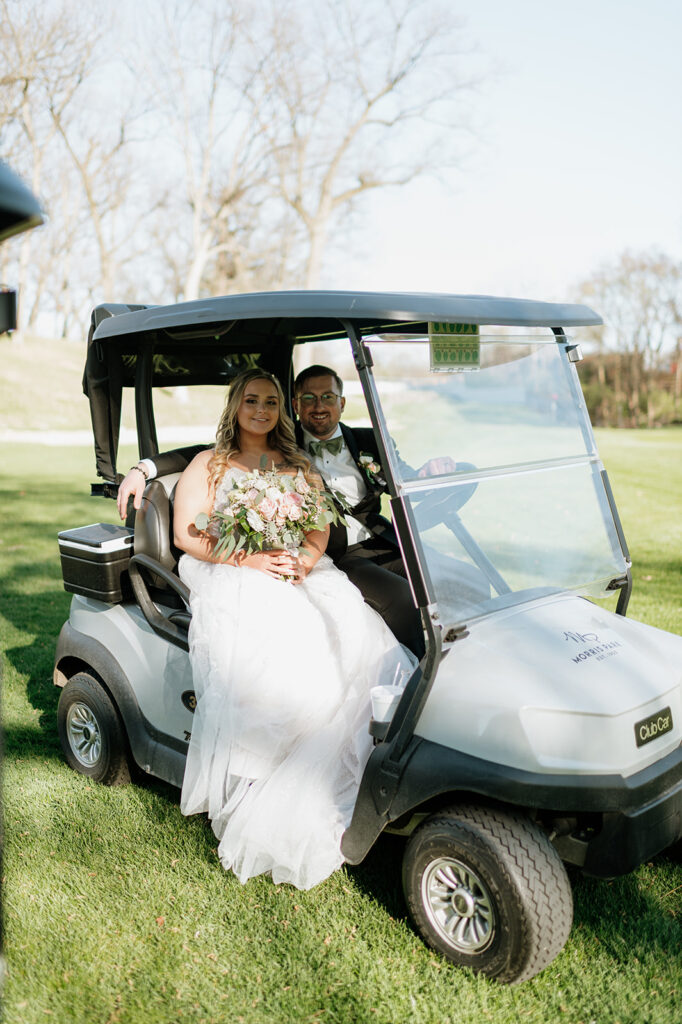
(211, 340)
(315, 314)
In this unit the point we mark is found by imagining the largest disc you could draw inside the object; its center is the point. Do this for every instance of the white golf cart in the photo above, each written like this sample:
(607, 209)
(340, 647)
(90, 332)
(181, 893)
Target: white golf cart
(540, 727)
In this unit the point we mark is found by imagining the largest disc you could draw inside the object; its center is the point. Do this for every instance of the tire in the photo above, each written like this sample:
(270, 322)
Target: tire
(486, 889)
(91, 733)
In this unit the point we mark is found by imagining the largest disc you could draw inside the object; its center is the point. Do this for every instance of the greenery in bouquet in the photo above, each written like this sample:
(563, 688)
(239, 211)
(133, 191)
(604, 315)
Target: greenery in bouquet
(265, 510)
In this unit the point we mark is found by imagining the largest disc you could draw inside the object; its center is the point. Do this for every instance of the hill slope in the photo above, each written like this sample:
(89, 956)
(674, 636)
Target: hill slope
(41, 389)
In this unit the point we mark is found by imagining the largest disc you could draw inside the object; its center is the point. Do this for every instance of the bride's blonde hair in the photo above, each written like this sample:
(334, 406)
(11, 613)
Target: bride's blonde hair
(282, 436)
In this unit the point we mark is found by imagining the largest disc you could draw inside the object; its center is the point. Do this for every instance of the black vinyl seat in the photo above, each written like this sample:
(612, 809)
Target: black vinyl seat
(162, 596)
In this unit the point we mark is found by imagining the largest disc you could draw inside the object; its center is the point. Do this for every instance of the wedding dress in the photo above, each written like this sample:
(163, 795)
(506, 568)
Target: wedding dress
(282, 675)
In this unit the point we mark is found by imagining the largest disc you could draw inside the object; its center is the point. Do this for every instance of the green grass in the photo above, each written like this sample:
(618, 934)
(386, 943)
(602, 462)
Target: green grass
(645, 470)
(116, 909)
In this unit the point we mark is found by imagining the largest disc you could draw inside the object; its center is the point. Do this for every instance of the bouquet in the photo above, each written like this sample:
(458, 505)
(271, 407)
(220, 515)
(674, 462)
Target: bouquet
(264, 510)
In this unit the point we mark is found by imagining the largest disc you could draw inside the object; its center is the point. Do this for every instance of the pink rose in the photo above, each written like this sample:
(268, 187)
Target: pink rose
(267, 509)
(302, 485)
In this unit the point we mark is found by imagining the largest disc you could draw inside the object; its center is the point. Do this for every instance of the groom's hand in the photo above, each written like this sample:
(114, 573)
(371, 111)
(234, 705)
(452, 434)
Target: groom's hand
(437, 467)
(132, 483)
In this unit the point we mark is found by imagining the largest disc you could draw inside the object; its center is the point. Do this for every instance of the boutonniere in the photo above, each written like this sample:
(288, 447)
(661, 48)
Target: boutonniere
(372, 468)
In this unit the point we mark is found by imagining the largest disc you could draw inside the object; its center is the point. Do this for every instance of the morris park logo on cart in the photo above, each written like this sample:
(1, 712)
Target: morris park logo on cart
(592, 646)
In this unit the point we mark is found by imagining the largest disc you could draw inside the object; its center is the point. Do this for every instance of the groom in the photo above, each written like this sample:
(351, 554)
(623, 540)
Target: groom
(366, 549)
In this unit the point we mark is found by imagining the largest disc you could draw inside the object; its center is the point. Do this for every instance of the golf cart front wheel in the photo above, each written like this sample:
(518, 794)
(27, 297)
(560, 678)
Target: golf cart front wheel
(486, 888)
(90, 731)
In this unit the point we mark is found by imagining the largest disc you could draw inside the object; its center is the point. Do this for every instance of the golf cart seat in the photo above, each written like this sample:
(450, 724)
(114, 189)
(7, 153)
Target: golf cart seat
(162, 596)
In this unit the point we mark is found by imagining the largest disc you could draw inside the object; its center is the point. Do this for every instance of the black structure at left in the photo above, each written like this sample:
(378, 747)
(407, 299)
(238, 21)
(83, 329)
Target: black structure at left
(19, 211)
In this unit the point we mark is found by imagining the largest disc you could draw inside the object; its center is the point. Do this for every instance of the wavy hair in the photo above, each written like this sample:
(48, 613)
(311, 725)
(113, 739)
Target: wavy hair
(282, 436)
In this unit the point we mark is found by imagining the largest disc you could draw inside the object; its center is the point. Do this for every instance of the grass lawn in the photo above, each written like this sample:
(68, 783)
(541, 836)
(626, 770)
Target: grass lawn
(116, 909)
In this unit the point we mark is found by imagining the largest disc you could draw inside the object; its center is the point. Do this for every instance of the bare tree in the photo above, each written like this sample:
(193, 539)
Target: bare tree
(53, 124)
(28, 49)
(217, 167)
(640, 298)
(257, 131)
(281, 120)
(360, 96)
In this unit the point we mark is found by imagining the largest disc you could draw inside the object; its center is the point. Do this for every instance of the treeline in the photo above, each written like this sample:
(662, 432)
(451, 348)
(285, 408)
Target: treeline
(632, 372)
(621, 392)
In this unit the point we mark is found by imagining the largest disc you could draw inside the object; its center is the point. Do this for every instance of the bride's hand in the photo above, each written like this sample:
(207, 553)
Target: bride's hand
(273, 563)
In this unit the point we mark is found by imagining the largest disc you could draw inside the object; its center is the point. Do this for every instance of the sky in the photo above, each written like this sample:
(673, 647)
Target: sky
(576, 157)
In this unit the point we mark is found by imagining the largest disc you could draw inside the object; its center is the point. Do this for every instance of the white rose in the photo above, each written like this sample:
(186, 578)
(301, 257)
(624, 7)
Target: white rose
(255, 521)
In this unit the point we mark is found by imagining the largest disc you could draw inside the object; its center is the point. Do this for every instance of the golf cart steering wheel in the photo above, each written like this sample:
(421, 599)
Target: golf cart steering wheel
(432, 508)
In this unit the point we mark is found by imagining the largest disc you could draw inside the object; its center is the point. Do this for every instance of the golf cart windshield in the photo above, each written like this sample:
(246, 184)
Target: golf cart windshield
(496, 463)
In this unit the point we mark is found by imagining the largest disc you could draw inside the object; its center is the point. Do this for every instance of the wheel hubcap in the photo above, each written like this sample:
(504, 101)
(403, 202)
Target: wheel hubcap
(83, 733)
(458, 905)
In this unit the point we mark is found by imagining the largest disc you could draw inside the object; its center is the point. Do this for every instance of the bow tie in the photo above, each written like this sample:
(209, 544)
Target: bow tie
(333, 445)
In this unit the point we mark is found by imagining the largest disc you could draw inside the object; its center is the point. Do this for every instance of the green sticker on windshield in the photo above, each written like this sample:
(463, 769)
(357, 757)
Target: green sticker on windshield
(454, 347)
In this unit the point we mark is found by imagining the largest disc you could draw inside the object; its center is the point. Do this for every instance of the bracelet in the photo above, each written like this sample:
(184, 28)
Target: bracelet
(140, 469)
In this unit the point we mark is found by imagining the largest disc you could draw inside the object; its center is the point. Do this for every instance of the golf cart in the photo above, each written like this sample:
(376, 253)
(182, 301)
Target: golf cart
(541, 727)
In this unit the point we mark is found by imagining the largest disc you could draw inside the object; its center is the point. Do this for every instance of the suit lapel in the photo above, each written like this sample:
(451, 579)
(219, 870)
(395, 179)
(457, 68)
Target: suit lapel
(351, 444)
(351, 439)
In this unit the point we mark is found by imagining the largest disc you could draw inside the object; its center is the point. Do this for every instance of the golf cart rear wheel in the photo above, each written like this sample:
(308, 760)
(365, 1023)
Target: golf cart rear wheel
(486, 888)
(91, 733)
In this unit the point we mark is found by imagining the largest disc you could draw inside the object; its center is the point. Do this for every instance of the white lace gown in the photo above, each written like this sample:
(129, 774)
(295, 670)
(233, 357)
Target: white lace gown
(280, 739)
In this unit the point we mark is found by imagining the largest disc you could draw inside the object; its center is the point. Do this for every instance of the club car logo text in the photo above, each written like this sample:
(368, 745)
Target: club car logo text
(654, 726)
(598, 649)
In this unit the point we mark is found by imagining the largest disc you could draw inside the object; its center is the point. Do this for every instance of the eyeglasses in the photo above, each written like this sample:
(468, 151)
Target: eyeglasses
(328, 398)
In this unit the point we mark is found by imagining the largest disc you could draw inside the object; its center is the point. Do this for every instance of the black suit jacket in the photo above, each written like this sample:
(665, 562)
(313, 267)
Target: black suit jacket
(359, 440)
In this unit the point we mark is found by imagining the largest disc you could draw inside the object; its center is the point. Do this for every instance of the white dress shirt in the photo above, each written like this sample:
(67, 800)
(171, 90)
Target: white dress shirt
(341, 474)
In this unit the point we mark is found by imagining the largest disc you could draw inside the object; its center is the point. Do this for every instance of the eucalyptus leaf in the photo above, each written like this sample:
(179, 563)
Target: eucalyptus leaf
(201, 521)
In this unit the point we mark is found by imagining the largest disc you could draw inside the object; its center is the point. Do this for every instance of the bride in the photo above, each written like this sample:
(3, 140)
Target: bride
(282, 673)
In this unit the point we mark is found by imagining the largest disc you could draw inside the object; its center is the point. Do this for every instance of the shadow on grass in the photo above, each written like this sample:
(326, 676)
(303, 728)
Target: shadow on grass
(24, 742)
(36, 607)
(379, 875)
(44, 616)
(625, 918)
